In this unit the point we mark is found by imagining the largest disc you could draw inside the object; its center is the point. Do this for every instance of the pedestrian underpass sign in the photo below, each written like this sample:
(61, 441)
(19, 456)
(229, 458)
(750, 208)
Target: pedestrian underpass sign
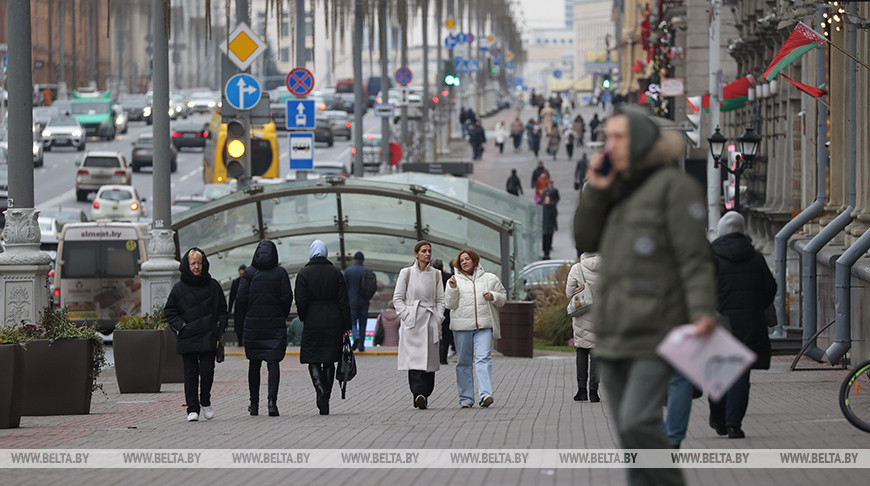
(300, 115)
(301, 150)
(242, 91)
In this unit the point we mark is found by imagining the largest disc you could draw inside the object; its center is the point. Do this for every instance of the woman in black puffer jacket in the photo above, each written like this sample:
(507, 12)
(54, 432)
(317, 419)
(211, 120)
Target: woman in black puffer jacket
(264, 302)
(197, 311)
(322, 302)
(746, 289)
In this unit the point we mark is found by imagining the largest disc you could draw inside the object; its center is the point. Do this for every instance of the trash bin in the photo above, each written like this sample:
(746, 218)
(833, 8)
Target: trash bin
(517, 329)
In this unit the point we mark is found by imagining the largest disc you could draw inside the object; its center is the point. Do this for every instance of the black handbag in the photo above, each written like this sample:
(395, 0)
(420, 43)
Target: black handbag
(346, 367)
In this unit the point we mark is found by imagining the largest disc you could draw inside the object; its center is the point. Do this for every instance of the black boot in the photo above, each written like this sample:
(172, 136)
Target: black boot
(581, 395)
(253, 408)
(593, 396)
(314, 371)
(327, 378)
(273, 408)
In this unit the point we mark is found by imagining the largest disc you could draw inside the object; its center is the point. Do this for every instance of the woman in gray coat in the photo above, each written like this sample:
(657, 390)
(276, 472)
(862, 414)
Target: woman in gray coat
(419, 300)
(584, 272)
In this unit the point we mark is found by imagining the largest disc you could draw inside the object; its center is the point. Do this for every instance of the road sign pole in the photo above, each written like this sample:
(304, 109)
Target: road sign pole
(385, 81)
(160, 106)
(405, 63)
(301, 55)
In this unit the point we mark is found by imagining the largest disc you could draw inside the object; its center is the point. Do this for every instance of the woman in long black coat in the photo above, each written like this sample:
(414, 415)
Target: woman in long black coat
(197, 311)
(746, 289)
(264, 301)
(322, 303)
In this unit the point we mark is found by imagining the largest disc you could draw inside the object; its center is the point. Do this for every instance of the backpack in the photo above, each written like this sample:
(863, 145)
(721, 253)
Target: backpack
(368, 285)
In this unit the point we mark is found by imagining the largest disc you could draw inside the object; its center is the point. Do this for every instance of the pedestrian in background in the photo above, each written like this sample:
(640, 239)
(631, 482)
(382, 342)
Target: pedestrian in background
(473, 297)
(419, 300)
(535, 135)
(446, 335)
(580, 172)
(549, 225)
(593, 127)
(547, 118)
(554, 139)
(238, 322)
(746, 288)
(541, 184)
(197, 311)
(513, 184)
(647, 219)
(359, 302)
(501, 134)
(388, 323)
(536, 174)
(264, 302)
(321, 300)
(584, 272)
(477, 138)
(579, 128)
(517, 133)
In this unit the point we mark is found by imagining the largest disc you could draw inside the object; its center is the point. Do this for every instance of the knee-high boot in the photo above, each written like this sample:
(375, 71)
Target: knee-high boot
(327, 378)
(314, 369)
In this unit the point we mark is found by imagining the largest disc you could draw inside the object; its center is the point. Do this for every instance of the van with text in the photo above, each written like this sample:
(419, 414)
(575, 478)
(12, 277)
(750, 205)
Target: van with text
(96, 274)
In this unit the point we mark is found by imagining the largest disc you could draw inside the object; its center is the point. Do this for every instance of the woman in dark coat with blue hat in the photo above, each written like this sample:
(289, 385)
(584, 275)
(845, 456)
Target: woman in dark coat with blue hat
(264, 301)
(322, 303)
(197, 311)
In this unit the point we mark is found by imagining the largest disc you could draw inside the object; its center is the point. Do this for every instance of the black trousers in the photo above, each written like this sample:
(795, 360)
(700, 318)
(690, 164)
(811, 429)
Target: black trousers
(421, 382)
(446, 338)
(547, 244)
(254, 379)
(586, 369)
(198, 379)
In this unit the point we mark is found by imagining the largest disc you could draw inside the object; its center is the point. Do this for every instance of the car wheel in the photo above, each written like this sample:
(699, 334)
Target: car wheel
(81, 195)
(81, 147)
(149, 122)
(124, 131)
(174, 166)
(135, 167)
(47, 147)
(331, 142)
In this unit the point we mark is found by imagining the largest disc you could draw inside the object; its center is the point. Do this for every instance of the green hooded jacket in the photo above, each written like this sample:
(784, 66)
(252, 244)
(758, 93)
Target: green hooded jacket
(657, 268)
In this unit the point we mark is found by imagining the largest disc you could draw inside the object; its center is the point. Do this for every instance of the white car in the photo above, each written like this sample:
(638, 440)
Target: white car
(118, 203)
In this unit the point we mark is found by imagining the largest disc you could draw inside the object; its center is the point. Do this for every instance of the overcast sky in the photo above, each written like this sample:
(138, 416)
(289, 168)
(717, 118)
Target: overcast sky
(544, 13)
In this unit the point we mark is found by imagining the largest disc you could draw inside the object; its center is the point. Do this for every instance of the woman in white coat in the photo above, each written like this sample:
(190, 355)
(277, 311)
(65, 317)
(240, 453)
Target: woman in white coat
(473, 297)
(419, 300)
(586, 270)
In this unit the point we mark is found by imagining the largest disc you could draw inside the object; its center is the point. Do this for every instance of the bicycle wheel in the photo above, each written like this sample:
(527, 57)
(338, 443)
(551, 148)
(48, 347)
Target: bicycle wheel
(855, 402)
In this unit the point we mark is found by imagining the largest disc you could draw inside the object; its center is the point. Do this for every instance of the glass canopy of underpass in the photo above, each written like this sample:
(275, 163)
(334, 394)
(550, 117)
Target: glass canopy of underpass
(381, 218)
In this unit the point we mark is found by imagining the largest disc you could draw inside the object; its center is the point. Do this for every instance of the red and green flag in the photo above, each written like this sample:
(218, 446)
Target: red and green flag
(814, 92)
(735, 95)
(802, 40)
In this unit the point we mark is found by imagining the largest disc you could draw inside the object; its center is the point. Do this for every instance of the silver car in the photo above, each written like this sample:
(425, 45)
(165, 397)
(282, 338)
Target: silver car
(340, 123)
(63, 131)
(101, 168)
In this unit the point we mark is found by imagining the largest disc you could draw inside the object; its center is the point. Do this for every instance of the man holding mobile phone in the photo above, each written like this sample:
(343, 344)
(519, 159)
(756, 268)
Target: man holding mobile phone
(647, 220)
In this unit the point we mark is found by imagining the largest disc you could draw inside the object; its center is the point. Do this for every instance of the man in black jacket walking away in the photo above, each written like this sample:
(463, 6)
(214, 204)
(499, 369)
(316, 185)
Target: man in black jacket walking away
(357, 292)
(264, 302)
(513, 185)
(746, 289)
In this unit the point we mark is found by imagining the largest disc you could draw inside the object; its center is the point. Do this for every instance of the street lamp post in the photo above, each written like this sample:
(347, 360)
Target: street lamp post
(748, 145)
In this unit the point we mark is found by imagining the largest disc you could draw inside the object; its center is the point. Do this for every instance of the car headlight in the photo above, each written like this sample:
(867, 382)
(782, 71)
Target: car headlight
(119, 120)
(35, 149)
(146, 111)
(76, 133)
(190, 104)
(211, 104)
(46, 133)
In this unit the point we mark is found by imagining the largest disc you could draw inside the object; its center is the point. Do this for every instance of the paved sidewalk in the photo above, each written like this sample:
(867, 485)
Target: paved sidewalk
(533, 410)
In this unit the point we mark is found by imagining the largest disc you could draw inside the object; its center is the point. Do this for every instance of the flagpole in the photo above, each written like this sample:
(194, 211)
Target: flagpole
(848, 54)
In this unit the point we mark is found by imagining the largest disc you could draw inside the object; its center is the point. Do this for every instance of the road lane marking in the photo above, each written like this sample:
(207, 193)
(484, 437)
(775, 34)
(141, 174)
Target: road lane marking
(55, 201)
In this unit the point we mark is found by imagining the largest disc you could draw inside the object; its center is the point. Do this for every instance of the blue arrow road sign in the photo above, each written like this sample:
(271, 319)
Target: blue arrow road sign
(557, 74)
(242, 91)
(301, 151)
(300, 114)
(450, 41)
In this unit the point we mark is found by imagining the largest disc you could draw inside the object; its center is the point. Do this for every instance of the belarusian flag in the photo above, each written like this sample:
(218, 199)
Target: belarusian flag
(814, 92)
(736, 94)
(802, 40)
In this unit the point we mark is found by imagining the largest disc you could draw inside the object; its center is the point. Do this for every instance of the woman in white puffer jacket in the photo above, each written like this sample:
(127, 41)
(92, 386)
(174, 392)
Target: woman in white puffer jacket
(473, 297)
(584, 338)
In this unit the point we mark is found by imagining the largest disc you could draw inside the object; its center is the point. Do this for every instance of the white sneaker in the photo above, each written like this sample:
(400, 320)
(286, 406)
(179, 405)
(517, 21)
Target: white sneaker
(207, 413)
(192, 417)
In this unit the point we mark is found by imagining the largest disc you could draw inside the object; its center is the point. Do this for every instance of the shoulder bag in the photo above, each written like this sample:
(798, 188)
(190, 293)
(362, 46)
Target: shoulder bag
(581, 299)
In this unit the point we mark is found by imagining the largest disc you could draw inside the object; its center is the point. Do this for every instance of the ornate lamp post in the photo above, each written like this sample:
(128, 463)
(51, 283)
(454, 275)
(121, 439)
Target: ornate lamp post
(748, 146)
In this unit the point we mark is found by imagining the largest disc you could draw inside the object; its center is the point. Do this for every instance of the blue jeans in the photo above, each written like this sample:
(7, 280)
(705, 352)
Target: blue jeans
(679, 408)
(359, 316)
(473, 346)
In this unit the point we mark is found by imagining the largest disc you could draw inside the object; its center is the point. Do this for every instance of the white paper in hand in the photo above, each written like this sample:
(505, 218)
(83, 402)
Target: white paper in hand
(712, 363)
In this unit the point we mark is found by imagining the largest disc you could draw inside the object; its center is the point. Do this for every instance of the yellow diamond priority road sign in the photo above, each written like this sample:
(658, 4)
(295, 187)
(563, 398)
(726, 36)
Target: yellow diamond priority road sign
(243, 46)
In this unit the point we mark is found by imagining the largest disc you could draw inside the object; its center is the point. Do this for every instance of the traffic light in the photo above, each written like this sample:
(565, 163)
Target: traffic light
(237, 149)
(451, 80)
(605, 83)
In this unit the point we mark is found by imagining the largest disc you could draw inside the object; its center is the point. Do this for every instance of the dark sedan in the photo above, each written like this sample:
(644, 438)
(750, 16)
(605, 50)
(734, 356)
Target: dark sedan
(143, 153)
(190, 134)
(323, 131)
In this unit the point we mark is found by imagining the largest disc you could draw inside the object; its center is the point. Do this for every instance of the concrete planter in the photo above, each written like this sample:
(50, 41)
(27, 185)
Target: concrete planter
(11, 380)
(57, 377)
(173, 367)
(138, 359)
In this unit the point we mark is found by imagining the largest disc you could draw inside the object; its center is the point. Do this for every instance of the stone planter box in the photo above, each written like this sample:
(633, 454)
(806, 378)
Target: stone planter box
(57, 377)
(11, 381)
(138, 359)
(173, 367)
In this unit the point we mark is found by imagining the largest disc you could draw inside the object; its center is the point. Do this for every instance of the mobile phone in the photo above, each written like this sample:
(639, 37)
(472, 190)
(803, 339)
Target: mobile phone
(606, 165)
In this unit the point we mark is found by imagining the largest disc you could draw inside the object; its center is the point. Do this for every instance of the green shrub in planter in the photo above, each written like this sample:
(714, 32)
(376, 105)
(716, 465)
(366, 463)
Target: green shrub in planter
(139, 352)
(552, 323)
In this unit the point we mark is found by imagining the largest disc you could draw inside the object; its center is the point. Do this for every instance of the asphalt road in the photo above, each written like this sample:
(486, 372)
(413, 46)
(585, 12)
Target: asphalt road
(54, 183)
